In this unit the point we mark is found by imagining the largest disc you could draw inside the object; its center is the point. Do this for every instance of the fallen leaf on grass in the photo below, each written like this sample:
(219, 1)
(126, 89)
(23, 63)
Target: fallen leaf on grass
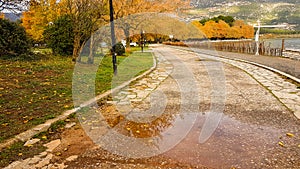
(44, 137)
(4, 124)
(45, 83)
(20, 154)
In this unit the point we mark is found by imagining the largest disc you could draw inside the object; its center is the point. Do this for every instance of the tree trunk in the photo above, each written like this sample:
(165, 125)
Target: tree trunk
(91, 53)
(127, 34)
(76, 49)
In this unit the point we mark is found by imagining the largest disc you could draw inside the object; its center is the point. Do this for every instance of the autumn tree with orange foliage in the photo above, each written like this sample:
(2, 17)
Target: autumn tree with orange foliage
(129, 13)
(88, 15)
(222, 30)
(41, 13)
(2, 15)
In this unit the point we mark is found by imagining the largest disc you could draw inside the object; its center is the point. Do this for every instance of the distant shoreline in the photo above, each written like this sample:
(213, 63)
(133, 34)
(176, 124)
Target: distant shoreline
(274, 36)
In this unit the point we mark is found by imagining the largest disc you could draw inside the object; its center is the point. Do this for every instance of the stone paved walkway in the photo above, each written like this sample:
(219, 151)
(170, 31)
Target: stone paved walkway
(292, 54)
(137, 92)
(286, 91)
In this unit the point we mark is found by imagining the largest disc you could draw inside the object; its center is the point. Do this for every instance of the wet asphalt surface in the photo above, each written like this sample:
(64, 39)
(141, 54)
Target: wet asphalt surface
(251, 132)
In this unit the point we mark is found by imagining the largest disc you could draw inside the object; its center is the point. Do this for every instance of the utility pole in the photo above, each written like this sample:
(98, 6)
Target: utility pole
(113, 37)
(258, 26)
(257, 37)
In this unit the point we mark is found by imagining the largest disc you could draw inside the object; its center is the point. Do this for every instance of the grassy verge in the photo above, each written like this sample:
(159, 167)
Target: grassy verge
(19, 152)
(32, 92)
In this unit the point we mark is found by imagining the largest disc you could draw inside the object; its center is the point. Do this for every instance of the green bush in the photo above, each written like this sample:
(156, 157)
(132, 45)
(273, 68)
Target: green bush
(13, 40)
(59, 36)
(119, 49)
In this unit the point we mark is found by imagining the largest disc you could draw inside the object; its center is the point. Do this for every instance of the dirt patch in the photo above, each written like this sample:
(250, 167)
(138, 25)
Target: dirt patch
(74, 141)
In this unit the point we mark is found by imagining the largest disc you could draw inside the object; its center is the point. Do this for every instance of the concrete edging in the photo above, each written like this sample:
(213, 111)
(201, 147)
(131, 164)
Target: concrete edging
(28, 134)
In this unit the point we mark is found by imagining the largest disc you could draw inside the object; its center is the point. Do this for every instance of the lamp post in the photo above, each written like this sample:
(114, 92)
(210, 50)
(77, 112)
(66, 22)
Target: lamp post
(113, 37)
(257, 37)
(142, 40)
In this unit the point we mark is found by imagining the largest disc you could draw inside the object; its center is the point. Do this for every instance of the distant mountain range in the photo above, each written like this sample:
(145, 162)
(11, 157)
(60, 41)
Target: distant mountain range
(13, 16)
(268, 11)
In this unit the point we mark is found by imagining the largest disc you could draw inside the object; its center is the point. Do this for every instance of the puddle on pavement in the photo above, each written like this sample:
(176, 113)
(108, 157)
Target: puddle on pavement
(233, 144)
(236, 144)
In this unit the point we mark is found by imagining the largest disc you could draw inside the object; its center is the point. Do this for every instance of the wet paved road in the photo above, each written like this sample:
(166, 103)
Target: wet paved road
(288, 93)
(253, 124)
(249, 132)
(237, 123)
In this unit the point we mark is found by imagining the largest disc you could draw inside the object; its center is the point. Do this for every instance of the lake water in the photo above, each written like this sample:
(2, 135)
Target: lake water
(292, 43)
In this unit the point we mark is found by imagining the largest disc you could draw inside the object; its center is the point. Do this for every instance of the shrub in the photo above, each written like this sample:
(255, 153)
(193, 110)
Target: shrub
(13, 40)
(119, 49)
(59, 36)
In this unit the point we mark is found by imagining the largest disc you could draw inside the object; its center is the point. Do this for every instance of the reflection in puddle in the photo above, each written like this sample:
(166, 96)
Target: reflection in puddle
(233, 144)
(139, 130)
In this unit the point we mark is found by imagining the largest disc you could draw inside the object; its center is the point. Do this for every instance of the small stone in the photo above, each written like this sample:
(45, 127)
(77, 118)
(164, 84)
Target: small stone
(50, 166)
(41, 127)
(34, 160)
(31, 142)
(52, 145)
(42, 154)
(13, 165)
(61, 166)
(72, 158)
(44, 161)
(111, 102)
(70, 125)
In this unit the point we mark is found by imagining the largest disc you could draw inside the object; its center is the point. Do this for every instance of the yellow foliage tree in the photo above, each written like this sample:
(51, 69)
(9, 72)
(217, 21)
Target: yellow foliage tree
(222, 30)
(40, 14)
(124, 10)
(2, 15)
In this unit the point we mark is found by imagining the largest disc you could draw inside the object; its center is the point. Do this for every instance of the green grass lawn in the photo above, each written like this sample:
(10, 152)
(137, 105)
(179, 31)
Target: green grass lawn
(33, 91)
